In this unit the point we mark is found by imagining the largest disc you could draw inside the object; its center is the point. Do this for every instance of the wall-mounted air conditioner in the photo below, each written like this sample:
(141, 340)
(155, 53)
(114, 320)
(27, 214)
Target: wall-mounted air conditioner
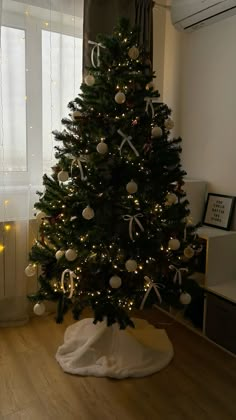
(189, 15)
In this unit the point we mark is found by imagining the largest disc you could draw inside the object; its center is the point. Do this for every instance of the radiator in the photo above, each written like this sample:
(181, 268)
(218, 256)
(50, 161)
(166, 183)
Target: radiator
(16, 238)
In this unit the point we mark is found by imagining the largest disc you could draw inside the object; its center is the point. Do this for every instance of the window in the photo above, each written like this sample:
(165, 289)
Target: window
(41, 72)
(61, 78)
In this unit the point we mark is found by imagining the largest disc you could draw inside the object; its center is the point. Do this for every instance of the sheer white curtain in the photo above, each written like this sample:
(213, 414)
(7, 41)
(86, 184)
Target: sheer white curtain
(40, 72)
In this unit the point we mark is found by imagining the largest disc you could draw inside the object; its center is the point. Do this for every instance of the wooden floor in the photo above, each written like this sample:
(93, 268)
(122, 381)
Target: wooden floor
(200, 382)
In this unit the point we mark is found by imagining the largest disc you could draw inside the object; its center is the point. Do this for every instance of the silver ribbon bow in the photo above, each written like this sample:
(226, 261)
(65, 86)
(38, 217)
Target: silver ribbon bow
(149, 103)
(95, 49)
(151, 285)
(132, 219)
(178, 274)
(128, 140)
(78, 161)
(71, 277)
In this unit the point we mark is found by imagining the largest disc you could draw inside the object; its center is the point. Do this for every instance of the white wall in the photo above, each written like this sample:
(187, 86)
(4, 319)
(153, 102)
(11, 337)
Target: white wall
(166, 60)
(208, 105)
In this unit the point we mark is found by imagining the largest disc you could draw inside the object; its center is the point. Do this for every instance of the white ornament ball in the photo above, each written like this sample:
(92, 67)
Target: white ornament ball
(189, 252)
(63, 176)
(133, 53)
(40, 215)
(88, 213)
(149, 86)
(120, 97)
(174, 244)
(169, 124)
(39, 308)
(71, 254)
(156, 131)
(115, 282)
(102, 148)
(131, 187)
(30, 270)
(171, 198)
(89, 80)
(76, 115)
(59, 254)
(131, 265)
(185, 298)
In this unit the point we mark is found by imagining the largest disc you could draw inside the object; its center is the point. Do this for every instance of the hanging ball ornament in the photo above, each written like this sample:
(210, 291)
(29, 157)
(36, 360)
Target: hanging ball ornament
(102, 148)
(63, 176)
(133, 53)
(189, 252)
(88, 213)
(30, 270)
(174, 244)
(59, 254)
(171, 198)
(120, 97)
(131, 187)
(76, 115)
(131, 265)
(40, 215)
(185, 298)
(169, 124)
(150, 85)
(115, 282)
(156, 131)
(39, 308)
(71, 254)
(89, 80)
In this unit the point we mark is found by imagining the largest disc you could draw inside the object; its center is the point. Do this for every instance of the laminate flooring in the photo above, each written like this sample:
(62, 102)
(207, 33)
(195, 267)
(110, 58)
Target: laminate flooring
(199, 384)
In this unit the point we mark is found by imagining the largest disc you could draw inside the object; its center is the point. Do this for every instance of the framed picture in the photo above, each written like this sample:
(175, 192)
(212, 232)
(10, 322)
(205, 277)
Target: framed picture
(219, 211)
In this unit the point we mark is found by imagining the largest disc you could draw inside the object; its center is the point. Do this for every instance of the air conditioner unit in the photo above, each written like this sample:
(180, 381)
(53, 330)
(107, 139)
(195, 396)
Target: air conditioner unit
(190, 15)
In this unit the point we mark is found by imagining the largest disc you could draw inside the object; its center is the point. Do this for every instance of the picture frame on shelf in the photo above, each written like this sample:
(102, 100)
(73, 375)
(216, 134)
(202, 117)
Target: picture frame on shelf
(218, 211)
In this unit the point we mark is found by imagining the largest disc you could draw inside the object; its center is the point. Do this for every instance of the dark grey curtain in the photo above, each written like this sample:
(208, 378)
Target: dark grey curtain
(100, 16)
(144, 19)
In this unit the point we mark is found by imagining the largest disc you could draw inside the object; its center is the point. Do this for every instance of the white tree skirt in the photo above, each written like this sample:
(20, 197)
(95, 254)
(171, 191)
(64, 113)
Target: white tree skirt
(98, 350)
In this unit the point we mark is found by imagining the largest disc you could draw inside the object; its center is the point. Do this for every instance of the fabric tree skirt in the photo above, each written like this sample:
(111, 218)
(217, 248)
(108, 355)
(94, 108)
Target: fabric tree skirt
(97, 350)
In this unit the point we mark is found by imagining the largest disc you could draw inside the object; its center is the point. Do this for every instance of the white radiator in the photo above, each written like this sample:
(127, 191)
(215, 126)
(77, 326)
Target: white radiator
(16, 238)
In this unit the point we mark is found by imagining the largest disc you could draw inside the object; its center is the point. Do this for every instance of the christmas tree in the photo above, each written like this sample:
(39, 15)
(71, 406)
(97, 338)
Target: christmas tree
(114, 231)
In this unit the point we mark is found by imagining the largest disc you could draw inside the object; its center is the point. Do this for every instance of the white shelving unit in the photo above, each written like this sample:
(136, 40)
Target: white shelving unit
(219, 284)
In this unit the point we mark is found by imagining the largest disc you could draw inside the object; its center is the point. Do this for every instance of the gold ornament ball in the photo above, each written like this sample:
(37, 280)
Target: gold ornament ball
(131, 265)
(189, 252)
(39, 308)
(133, 53)
(156, 131)
(59, 254)
(120, 97)
(30, 270)
(115, 282)
(88, 213)
(102, 148)
(89, 80)
(131, 187)
(174, 244)
(171, 198)
(185, 298)
(71, 254)
(169, 124)
(76, 115)
(63, 176)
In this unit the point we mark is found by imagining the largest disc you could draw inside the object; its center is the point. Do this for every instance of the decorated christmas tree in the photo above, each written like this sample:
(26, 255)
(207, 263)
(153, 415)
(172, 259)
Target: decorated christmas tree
(114, 226)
